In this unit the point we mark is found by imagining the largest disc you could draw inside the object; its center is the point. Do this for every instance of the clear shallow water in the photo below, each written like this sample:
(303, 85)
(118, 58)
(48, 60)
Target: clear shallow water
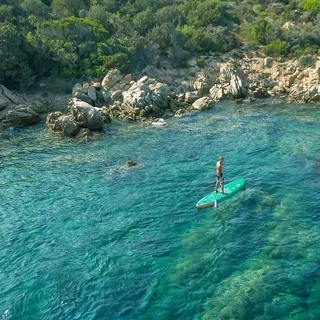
(81, 237)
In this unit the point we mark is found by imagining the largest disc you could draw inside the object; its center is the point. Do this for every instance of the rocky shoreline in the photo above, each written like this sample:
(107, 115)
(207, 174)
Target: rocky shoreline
(159, 94)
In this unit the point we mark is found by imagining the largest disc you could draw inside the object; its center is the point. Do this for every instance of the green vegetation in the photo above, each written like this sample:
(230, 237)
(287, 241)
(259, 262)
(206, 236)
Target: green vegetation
(85, 38)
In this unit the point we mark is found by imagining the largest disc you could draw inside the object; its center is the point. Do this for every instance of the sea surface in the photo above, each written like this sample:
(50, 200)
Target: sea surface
(83, 237)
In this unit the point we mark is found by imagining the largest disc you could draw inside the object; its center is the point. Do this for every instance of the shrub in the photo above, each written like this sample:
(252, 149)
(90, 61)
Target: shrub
(172, 14)
(215, 39)
(99, 13)
(164, 37)
(306, 61)
(71, 44)
(119, 61)
(257, 31)
(201, 62)
(311, 5)
(277, 48)
(144, 21)
(6, 12)
(206, 13)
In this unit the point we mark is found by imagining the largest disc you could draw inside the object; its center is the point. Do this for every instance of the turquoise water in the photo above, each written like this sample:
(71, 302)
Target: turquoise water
(82, 237)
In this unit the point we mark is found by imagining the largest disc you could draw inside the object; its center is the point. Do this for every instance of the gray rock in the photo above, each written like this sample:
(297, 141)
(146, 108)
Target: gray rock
(52, 117)
(105, 96)
(83, 133)
(87, 115)
(130, 164)
(141, 95)
(204, 103)
(67, 125)
(261, 93)
(83, 97)
(218, 92)
(180, 112)
(191, 97)
(128, 78)
(113, 76)
(268, 62)
(92, 93)
(105, 115)
(77, 88)
(116, 96)
(22, 115)
(13, 98)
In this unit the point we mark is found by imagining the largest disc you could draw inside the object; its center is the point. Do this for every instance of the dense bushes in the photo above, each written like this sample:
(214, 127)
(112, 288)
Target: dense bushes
(277, 48)
(84, 38)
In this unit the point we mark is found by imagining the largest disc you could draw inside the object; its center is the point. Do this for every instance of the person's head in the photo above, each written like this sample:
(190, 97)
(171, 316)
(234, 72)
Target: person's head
(221, 158)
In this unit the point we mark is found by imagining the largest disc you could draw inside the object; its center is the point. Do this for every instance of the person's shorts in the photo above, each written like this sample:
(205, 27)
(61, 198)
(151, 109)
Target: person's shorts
(220, 180)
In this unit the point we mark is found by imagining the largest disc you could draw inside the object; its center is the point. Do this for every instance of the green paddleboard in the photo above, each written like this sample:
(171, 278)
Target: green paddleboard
(230, 189)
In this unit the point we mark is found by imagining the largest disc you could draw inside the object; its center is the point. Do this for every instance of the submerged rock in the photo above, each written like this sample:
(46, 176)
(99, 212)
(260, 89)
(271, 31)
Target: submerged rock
(130, 164)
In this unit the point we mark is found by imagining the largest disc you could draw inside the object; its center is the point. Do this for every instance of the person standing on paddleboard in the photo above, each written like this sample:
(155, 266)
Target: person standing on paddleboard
(219, 174)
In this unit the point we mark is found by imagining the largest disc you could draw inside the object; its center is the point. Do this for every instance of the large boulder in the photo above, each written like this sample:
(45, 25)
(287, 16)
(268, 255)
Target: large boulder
(235, 79)
(147, 93)
(6, 96)
(204, 103)
(22, 115)
(92, 93)
(191, 97)
(304, 93)
(306, 86)
(218, 92)
(202, 84)
(113, 77)
(86, 115)
(66, 125)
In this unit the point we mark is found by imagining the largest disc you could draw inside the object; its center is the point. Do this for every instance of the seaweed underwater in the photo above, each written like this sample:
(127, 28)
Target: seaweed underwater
(282, 281)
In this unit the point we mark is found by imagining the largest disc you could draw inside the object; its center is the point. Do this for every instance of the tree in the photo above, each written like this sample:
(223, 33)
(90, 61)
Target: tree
(207, 13)
(14, 67)
(144, 21)
(67, 8)
(36, 8)
(171, 14)
(72, 45)
(6, 12)
(98, 12)
(257, 32)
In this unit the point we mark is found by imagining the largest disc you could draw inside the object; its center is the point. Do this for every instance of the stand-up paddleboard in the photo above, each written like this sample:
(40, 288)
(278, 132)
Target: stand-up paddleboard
(230, 189)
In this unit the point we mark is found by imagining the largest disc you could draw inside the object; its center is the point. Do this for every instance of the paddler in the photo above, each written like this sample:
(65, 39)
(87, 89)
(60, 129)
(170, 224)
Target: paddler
(219, 174)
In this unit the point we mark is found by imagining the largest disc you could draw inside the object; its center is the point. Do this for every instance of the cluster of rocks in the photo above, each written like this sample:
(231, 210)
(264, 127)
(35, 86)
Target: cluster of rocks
(163, 93)
(120, 97)
(24, 110)
(81, 119)
(16, 111)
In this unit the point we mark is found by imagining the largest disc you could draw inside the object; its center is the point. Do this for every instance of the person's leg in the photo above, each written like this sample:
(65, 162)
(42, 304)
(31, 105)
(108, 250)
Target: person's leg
(222, 187)
(222, 184)
(217, 186)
